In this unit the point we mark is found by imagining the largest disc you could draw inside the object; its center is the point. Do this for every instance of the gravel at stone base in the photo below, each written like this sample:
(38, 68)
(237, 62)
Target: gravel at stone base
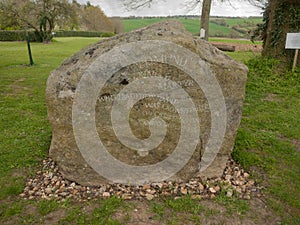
(48, 183)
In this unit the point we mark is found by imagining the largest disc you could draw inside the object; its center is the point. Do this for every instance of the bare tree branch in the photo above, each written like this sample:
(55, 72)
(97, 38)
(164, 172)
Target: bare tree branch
(136, 4)
(258, 3)
(190, 5)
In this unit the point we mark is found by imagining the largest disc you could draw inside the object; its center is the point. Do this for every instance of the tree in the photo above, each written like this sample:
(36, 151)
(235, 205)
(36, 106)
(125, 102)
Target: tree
(118, 25)
(94, 19)
(205, 12)
(17, 13)
(280, 17)
(39, 15)
(206, 5)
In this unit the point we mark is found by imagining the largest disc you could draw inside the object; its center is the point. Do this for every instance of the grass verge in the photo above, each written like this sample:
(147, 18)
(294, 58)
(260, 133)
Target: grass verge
(268, 139)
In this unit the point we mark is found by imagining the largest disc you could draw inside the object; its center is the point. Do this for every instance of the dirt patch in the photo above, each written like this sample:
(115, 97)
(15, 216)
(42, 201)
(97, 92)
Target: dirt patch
(140, 214)
(13, 220)
(30, 209)
(272, 98)
(17, 89)
(89, 208)
(21, 172)
(212, 213)
(54, 217)
(296, 144)
(261, 213)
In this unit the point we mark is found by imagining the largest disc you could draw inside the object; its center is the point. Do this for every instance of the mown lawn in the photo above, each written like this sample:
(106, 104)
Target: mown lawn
(25, 132)
(193, 25)
(268, 143)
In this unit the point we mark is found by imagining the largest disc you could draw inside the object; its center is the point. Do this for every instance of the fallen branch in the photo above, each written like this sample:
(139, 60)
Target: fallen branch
(223, 47)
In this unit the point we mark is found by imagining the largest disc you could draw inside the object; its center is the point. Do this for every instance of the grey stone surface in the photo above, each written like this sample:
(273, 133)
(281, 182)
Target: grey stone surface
(110, 71)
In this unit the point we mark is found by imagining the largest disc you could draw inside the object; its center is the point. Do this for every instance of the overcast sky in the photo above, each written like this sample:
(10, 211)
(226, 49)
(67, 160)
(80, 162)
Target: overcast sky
(177, 7)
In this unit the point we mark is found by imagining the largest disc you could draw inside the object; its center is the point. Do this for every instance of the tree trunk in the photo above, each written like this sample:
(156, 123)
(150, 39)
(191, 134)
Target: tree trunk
(206, 4)
(281, 17)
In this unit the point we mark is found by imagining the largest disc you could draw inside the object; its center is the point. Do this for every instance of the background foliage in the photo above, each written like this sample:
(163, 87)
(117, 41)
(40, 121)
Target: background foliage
(44, 16)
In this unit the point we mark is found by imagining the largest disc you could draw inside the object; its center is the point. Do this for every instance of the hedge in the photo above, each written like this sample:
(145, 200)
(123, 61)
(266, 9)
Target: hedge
(20, 35)
(81, 34)
(16, 35)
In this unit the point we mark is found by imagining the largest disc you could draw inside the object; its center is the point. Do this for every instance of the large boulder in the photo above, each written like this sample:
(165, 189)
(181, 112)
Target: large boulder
(145, 106)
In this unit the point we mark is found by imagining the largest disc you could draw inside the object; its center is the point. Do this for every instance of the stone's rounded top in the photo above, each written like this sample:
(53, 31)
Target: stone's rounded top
(170, 30)
(148, 105)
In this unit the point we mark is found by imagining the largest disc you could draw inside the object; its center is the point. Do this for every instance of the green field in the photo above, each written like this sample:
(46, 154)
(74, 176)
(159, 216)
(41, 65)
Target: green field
(267, 145)
(192, 25)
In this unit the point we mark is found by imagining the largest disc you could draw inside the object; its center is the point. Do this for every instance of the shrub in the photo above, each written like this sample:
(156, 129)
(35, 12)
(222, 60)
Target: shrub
(118, 25)
(63, 33)
(19, 35)
(240, 29)
(16, 35)
(107, 34)
(221, 22)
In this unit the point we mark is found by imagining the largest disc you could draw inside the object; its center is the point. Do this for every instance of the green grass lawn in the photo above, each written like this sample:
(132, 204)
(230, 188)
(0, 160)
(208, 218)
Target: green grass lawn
(193, 25)
(237, 41)
(25, 131)
(268, 141)
(267, 144)
(132, 24)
